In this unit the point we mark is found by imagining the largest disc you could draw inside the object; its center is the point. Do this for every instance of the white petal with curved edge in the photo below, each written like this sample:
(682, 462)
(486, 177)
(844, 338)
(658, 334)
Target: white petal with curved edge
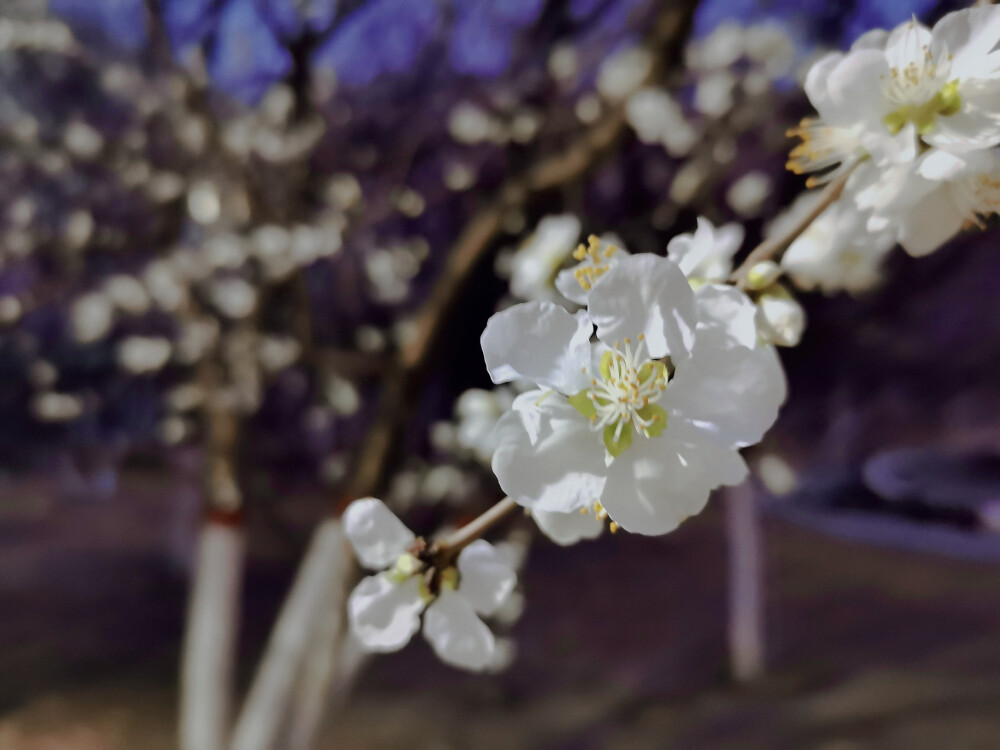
(873, 39)
(566, 281)
(456, 633)
(485, 578)
(727, 308)
(969, 36)
(658, 483)
(708, 253)
(854, 87)
(930, 223)
(942, 165)
(976, 126)
(731, 392)
(560, 466)
(568, 528)
(378, 537)
(384, 615)
(646, 294)
(570, 288)
(540, 342)
(907, 45)
(816, 84)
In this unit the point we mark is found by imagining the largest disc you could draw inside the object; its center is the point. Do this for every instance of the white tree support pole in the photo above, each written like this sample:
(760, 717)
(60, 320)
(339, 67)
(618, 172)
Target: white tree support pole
(266, 706)
(320, 674)
(746, 583)
(210, 638)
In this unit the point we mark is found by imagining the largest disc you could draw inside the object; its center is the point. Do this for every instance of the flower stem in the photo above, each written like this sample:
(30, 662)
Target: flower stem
(774, 247)
(447, 548)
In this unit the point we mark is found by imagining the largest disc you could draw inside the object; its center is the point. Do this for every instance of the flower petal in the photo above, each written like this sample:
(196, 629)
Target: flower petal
(548, 457)
(378, 537)
(384, 615)
(456, 633)
(649, 295)
(659, 483)
(730, 310)
(930, 223)
(485, 578)
(568, 528)
(969, 36)
(730, 392)
(540, 342)
(708, 253)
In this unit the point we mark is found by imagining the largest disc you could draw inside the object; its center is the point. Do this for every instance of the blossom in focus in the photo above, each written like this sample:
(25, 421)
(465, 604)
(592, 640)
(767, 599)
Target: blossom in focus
(599, 255)
(385, 609)
(706, 257)
(612, 427)
(571, 527)
(893, 95)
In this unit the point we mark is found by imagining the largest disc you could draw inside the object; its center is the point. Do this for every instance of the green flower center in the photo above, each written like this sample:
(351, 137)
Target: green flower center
(945, 102)
(623, 400)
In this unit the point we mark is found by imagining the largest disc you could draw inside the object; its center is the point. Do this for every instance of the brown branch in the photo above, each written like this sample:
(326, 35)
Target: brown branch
(445, 550)
(474, 243)
(773, 248)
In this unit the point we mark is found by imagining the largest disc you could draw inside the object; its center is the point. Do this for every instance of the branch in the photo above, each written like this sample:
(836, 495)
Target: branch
(446, 549)
(773, 248)
(474, 244)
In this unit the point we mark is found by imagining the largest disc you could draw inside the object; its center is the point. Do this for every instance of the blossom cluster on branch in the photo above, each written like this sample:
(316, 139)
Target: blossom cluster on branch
(639, 378)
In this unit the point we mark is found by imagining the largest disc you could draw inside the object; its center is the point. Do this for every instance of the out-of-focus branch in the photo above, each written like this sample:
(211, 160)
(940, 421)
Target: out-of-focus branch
(474, 243)
(773, 248)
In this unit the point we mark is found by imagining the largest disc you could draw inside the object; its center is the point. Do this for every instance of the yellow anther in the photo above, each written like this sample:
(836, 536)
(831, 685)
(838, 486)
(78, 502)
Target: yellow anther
(614, 527)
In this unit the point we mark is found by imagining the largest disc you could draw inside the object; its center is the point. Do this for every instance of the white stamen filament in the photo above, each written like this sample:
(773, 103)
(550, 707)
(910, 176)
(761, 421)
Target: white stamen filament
(620, 396)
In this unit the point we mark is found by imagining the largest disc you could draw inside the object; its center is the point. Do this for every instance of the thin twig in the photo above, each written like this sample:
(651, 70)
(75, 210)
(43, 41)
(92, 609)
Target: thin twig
(446, 549)
(772, 249)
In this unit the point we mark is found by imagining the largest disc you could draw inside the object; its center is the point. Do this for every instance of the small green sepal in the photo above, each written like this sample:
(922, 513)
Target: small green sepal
(624, 440)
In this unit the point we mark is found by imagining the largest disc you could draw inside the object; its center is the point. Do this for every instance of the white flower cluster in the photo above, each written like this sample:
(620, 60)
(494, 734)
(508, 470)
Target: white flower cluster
(385, 609)
(641, 423)
(915, 113)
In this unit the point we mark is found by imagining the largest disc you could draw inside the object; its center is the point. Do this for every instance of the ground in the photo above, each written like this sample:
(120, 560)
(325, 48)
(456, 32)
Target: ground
(621, 644)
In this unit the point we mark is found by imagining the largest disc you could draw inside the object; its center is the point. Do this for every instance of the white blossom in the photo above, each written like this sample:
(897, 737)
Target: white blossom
(595, 259)
(570, 527)
(534, 265)
(610, 427)
(385, 609)
(836, 252)
(707, 254)
(894, 94)
(927, 202)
